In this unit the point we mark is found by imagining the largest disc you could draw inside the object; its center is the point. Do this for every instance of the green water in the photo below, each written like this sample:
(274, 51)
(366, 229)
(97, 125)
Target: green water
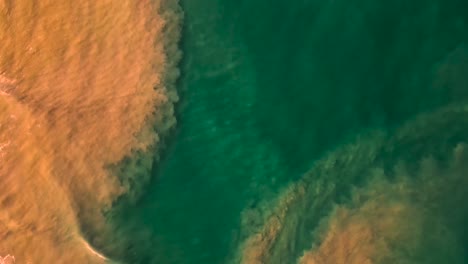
(268, 87)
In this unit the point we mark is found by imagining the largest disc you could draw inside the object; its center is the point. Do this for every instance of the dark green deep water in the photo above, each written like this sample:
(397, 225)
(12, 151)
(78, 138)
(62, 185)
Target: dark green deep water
(270, 86)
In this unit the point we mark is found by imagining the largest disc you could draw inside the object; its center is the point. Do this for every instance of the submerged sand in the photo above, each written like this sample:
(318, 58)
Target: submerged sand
(83, 84)
(382, 199)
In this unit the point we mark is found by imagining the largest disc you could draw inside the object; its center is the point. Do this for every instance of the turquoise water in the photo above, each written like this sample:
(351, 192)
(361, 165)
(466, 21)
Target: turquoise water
(268, 87)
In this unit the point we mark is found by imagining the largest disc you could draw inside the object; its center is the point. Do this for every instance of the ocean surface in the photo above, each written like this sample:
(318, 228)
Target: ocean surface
(302, 131)
(268, 88)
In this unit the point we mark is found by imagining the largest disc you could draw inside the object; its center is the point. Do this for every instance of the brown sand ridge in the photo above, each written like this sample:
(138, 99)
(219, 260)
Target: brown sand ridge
(409, 222)
(82, 85)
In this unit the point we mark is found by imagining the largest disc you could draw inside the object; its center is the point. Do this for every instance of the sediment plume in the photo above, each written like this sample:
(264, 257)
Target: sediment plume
(386, 198)
(86, 90)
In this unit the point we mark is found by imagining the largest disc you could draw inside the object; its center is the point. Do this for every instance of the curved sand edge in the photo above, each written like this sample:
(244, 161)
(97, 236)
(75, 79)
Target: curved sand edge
(89, 81)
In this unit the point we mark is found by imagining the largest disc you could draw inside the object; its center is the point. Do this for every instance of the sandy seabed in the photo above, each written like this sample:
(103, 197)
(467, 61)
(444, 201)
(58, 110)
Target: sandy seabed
(83, 85)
